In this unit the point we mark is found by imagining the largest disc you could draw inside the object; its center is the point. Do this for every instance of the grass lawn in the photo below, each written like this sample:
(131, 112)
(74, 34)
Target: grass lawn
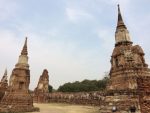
(65, 108)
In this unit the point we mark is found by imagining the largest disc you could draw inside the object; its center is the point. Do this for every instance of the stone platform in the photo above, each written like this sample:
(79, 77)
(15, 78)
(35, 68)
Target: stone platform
(17, 102)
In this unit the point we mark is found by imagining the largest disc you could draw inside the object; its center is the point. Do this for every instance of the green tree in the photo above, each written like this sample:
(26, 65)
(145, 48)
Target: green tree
(84, 86)
(50, 88)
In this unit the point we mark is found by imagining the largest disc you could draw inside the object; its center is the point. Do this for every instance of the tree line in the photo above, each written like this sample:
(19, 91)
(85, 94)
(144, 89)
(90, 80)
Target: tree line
(84, 86)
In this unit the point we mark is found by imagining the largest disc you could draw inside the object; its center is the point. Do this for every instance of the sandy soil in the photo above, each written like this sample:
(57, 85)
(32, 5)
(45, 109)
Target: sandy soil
(65, 108)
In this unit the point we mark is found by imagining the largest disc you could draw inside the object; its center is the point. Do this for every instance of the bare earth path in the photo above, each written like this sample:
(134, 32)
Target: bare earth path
(65, 108)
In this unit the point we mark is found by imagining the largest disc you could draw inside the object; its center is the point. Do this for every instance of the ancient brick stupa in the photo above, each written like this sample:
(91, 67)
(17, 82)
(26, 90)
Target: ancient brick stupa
(41, 91)
(18, 98)
(128, 90)
(4, 81)
(3, 85)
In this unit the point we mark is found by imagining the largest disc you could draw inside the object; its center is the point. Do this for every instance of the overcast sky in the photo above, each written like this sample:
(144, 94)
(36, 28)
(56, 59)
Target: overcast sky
(73, 39)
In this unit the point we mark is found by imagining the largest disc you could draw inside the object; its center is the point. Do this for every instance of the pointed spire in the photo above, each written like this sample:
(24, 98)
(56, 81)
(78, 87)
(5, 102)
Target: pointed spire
(122, 34)
(4, 78)
(24, 50)
(23, 58)
(5, 73)
(120, 20)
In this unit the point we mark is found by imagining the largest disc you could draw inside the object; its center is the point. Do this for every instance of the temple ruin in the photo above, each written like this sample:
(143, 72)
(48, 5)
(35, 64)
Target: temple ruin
(41, 91)
(3, 85)
(18, 98)
(128, 89)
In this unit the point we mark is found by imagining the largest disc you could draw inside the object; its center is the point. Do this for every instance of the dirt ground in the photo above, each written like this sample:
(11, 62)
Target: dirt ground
(65, 108)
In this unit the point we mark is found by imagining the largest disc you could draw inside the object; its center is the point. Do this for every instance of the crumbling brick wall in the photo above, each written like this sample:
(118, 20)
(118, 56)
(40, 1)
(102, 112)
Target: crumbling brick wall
(144, 93)
(82, 98)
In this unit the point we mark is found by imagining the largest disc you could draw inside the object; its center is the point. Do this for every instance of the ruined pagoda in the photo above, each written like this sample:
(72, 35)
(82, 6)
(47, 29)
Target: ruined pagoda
(4, 81)
(42, 89)
(43, 83)
(128, 90)
(3, 84)
(18, 98)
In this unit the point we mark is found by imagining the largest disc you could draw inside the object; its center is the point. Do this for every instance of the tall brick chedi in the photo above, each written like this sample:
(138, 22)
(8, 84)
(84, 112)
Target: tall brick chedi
(18, 98)
(128, 88)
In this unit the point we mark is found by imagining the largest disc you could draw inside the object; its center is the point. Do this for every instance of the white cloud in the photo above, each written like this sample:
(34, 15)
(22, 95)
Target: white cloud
(8, 43)
(124, 4)
(64, 61)
(8, 9)
(58, 58)
(76, 15)
(115, 2)
(107, 36)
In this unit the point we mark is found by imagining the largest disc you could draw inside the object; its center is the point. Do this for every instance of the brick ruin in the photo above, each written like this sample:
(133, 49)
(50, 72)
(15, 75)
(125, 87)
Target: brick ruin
(3, 85)
(144, 93)
(41, 94)
(94, 98)
(41, 91)
(17, 97)
(128, 89)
